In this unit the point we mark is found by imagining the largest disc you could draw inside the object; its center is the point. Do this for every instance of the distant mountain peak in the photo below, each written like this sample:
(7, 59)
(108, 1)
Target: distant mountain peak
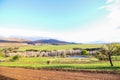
(41, 40)
(51, 41)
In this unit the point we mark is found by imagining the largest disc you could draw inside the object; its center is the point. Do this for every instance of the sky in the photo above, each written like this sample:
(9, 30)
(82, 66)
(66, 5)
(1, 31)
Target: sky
(70, 20)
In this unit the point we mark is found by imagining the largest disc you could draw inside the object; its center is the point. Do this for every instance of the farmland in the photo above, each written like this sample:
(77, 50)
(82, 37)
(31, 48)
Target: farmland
(28, 74)
(63, 63)
(60, 47)
(90, 65)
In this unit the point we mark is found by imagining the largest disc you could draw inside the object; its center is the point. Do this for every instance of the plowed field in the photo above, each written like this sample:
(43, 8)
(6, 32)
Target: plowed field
(29, 74)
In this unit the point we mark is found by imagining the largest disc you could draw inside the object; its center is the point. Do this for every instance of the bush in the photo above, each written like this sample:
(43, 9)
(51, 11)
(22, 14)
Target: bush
(48, 62)
(14, 58)
(84, 52)
(2, 54)
(31, 50)
(100, 56)
(77, 48)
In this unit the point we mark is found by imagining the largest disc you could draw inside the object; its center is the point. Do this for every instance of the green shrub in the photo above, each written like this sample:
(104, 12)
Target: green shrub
(14, 58)
(48, 62)
(84, 52)
(2, 54)
(100, 56)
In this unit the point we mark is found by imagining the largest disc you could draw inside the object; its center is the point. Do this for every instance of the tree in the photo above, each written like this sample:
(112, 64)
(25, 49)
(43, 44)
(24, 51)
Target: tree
(100, 56)
(14, 58)
(84, 52)
(117, 49)
(109, 50)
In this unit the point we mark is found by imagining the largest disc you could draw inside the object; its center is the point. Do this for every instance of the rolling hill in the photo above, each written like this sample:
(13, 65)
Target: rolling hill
(50, 41)
(41, 41)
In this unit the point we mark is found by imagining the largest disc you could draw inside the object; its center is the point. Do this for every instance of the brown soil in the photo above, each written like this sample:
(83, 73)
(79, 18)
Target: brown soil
(29, 74)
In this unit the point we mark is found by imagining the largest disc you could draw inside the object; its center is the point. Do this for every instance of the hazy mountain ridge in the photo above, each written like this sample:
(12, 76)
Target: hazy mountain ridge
(45, 41)
(51, 41)
(42, 41)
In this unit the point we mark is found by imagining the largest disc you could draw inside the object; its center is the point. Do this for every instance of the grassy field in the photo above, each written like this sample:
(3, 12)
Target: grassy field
(90, 63)
(52, 47)
(59, 47)
(63, 63)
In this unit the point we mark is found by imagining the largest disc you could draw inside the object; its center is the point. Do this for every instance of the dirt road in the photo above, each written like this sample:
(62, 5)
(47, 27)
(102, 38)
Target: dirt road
(29, 74)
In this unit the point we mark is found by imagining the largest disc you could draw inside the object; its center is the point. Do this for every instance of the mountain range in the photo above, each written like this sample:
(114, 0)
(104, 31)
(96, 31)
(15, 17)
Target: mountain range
(42, 41)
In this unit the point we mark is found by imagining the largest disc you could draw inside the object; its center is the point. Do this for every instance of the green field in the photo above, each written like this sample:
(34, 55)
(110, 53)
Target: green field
(90, 63)
(60, 47)
(63, 63)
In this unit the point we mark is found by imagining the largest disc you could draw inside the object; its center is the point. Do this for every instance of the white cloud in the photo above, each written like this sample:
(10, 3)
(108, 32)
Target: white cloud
(105, 29)
(7, 32)
(109, 1)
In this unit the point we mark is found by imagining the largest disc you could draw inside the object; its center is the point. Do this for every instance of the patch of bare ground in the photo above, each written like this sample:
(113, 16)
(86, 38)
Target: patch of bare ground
(29, 74)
